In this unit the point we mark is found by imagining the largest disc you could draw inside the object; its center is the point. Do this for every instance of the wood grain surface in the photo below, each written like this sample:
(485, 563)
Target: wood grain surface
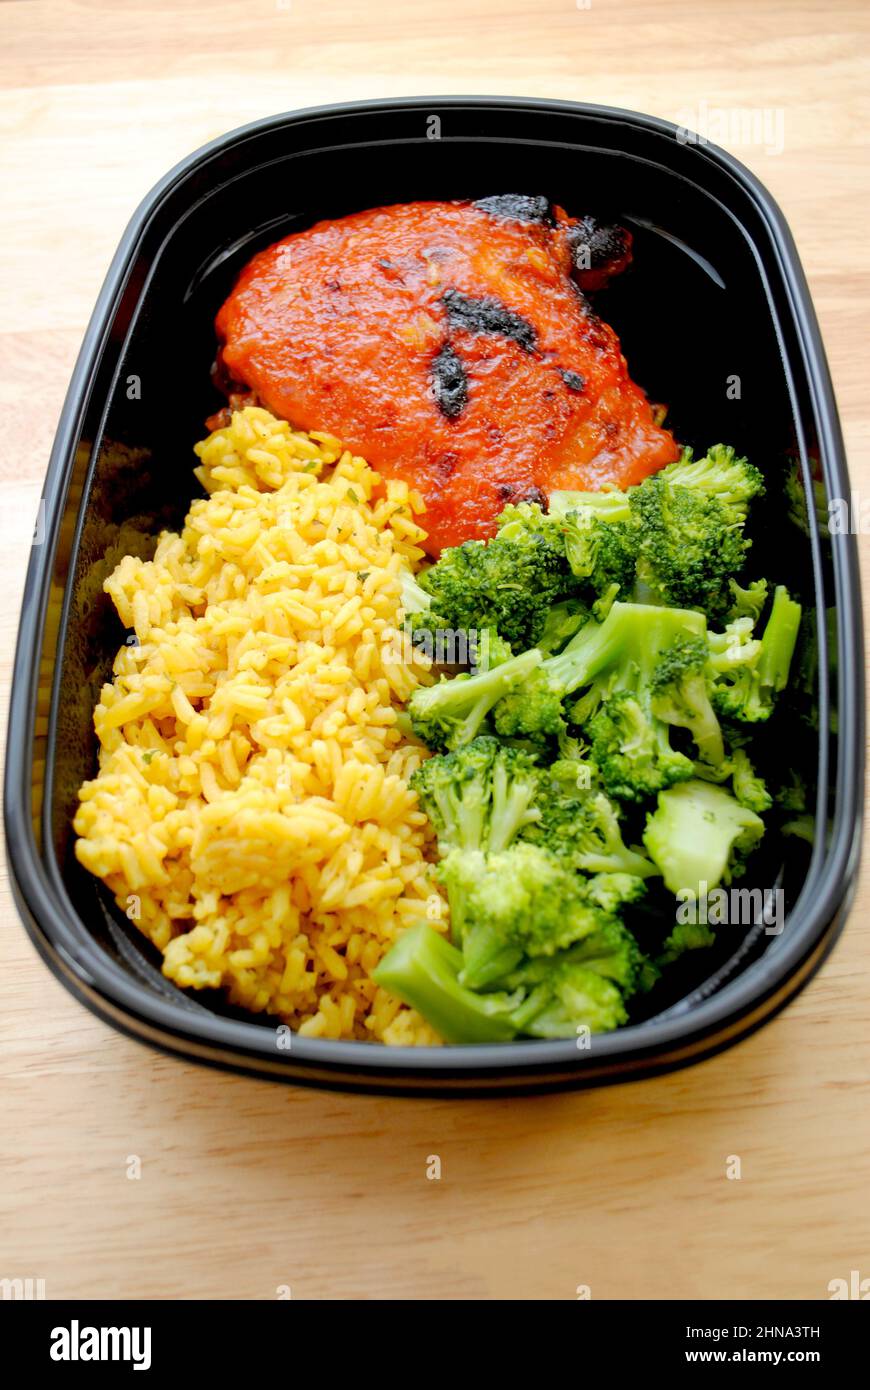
(246, 1186)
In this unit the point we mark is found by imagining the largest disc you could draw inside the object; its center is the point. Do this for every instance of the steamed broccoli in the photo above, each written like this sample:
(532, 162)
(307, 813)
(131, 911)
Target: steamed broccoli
(524, 901)
(677, 538)
(508, 583)
(632, 747)
(679, 697)
(749, 789)
(563, 620)
(585, 986)
(582, 827)
(732, 480)
(690, 546)
(685, 936)
(619, 653)
(532, 709)
(552, 998)
(736, 767)
(734, 648)
(480, 796)
(453, 711)
(601, 551)
(747, 690)
(748, 602)
(615, 696)
(700, 834)
(423, 969)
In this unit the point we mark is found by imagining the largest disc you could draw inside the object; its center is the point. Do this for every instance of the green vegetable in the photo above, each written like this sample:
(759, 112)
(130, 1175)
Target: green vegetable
(746, 690)
(625, 664)
(479, 797)
(686, 936)
(453, 712)
(524, 901)
(562, 622)
(690, 546)
(551, 998)
(675, 539)
(679, 697)
(422, 968)
(619, 653)
(700, 834)
(509, 583)
(721, 473)
(582, 826)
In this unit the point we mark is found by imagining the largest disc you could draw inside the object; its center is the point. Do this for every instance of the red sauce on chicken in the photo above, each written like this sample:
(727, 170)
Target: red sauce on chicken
(452, 345)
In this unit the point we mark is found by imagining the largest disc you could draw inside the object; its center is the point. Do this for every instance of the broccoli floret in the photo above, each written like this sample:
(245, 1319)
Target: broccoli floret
(519, 517)
(801, 827)
(749, 789)
(630, 743)
(560, 991)
(577, 997)
(479, 797)
(560, 995)
(508, 583)
(690, 545)
(618, 653)
(562, 622)
(525, 901)
(532, 709)
(453, 711)
(734, 648)
(614, 890)
(733, 481)
(737, 768)
(748, 690)
(632, 748)
(792, 795)
(581, 825)
(686, 936)
(679, 697)
(601, 551)
(798, 504)
(748, 602)
(609, 505)
(700, 834)
(677, 538)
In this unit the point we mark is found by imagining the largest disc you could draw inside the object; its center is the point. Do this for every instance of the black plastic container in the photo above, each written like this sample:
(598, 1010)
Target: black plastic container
(714, 318)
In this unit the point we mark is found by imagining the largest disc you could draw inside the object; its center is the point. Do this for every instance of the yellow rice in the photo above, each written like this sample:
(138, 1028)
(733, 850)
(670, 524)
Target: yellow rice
(252, 812)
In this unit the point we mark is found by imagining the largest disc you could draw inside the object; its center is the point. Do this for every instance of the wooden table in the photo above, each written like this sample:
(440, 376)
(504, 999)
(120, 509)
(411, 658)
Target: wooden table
(246, 1186)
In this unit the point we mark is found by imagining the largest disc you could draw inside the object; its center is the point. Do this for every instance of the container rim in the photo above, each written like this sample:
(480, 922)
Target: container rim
(653, 1046)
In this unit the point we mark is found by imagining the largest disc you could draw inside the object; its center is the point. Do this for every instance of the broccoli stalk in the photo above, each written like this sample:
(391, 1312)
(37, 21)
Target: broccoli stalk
(422, 968)
(700, 834)
(618, 653)
(551, 997)
(452, 712)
